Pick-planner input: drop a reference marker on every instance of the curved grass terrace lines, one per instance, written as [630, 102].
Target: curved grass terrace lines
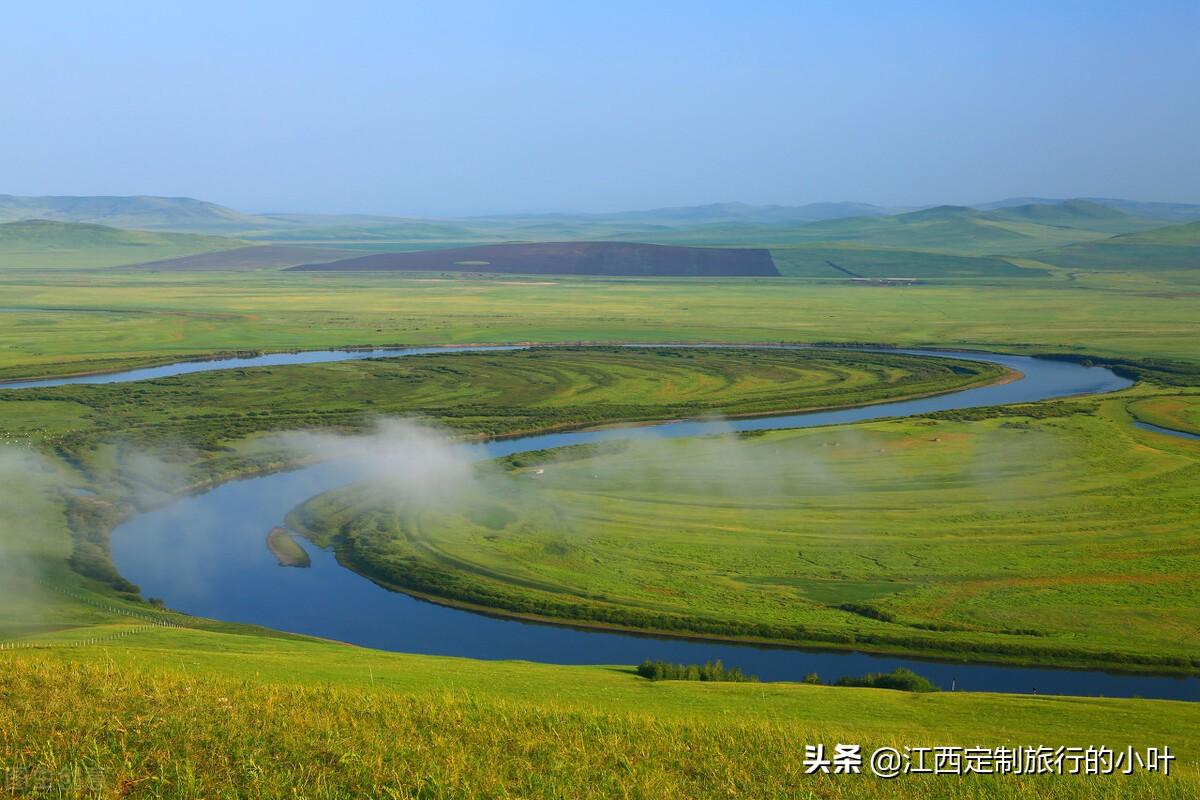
[221, 413]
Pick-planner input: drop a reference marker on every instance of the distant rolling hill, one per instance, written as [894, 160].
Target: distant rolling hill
[747, 213]
[139, 212]
[1082, 214]
[570, 258]
[945, 229]
[1187, 234]
[963, 230]
[47, 243]
[1172, 247]
[937, 241]
[1162, 212]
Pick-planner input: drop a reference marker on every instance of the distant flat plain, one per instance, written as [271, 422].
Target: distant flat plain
[155, 317]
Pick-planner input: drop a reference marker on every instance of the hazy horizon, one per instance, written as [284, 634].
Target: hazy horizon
[472, 109]
[569, 212]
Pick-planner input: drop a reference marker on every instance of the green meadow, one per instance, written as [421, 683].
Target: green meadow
[60, 323]
[481, 393]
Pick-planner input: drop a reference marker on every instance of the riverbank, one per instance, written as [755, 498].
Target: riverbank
[934, 655]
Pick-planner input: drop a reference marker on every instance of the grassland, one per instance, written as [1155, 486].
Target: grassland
[78, 322]
[817, 260]
[482, 393]
[1050, 533]
[196, 713]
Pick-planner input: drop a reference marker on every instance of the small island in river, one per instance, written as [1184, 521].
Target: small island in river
[284, 547]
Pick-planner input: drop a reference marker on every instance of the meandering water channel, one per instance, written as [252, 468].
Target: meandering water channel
[205, 555]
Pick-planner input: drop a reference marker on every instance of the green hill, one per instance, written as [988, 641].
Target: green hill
[1081, 214]
[1172, 247]
[947, 229]
[41, 243]
[1187, 235]
[1168, 212]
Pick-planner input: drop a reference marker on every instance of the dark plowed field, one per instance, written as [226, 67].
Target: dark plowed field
[569, 258]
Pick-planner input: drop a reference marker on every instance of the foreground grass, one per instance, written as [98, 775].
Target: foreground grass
[1050, 533]
[183, 713]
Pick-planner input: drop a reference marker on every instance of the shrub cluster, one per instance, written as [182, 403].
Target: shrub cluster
[89, 522]
[900, 678]
[709, 671]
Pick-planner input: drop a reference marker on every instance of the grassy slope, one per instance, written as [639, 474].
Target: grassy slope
[1170, 247]
[143, 318]
[998, 536]
[961, 231]
[44, 244]
[183, 713]
[1082, 214]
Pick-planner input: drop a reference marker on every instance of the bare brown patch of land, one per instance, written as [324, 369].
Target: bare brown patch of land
[570, 258]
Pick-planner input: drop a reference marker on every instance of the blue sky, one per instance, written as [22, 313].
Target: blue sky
[455, 107]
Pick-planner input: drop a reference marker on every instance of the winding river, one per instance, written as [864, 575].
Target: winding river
[205, 555]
